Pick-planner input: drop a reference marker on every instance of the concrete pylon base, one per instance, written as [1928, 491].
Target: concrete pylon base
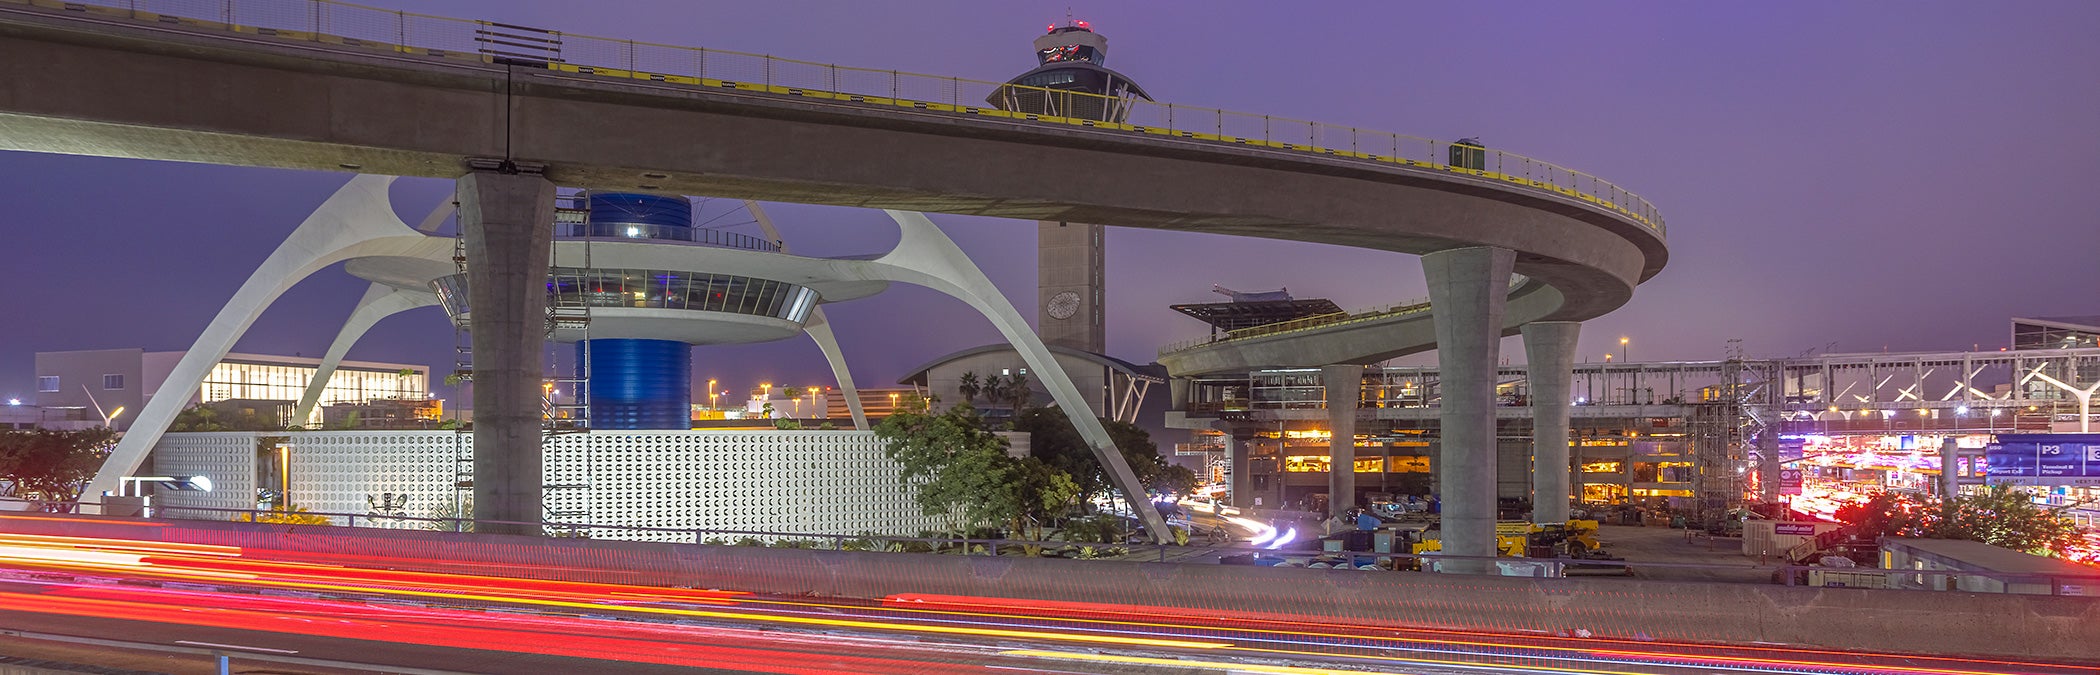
[1549, 351]
[508, 223]
[1467, 287]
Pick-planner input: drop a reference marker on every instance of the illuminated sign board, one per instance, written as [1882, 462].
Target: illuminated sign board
[2044, 459]
[1790, 481]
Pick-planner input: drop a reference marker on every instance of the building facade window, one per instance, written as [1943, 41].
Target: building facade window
[46, 383]
[113, 382]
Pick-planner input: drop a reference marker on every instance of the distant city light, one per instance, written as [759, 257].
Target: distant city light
[1962, 410]
[14, 401]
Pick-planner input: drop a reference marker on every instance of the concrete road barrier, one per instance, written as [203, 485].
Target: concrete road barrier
[1946, 623]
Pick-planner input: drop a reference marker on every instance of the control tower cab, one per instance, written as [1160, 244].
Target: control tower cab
[1071, 79]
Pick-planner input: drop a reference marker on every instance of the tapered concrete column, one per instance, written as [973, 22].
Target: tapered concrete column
[1467, 288]
[1238, 451]
[1549, 349]
[1178, 393]
[508, 223]
[1768, 465]
[1344, 386]
[1950, 468]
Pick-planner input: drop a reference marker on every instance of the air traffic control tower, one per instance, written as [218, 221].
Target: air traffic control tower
[1071, 79]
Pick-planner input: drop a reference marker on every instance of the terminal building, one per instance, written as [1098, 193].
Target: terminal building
[108, 383]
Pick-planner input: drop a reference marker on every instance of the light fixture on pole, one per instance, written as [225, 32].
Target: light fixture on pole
[1624, 349]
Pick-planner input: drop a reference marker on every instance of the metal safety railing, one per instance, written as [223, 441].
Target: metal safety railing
[344, 24]
[648, 233]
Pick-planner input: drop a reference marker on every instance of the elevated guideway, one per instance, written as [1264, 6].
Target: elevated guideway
[1360, 338]
[325, 86]
[510, 111]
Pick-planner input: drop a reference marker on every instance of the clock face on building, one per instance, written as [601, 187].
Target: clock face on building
[1063, 305]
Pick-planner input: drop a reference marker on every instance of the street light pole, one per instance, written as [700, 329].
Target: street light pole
[1625, 349]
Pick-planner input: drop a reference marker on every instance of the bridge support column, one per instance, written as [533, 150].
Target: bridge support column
[1468, 287]
[508, 223]
[1239, 450]
[1549, 349]
[1344, 385]
[1768, 464]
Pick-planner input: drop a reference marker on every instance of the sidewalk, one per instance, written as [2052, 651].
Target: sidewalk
[1665, 545]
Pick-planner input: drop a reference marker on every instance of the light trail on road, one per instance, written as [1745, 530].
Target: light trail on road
[217, 587]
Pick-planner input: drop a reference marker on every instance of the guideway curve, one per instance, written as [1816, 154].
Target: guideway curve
[319, 95]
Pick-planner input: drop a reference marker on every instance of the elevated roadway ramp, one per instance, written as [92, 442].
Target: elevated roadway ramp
[1360, 339]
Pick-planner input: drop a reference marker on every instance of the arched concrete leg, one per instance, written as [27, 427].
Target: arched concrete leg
[1344, 385]
[1549, 351]
[926, 257]
[356, 221]
[380, 301]
[1467, 287]
[818, 328]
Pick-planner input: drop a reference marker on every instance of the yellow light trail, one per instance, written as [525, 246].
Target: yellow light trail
[737, 616]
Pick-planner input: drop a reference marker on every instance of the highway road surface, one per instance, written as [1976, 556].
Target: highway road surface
[267, 611]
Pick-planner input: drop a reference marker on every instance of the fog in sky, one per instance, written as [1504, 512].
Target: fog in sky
[1899, 176]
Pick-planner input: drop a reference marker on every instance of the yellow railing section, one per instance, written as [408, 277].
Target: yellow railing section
[350, 25]
[1319, 322]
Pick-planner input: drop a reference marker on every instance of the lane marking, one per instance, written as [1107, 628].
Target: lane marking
[244, 648]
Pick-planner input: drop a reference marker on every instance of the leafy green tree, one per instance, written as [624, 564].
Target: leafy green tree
[956, 468]
[285, 515]
[198, 418]
[960, 470]
[1054, 440]
[2000, 515]
[2007, 517]
[1886, 514]
[203, 417]
[53, 464]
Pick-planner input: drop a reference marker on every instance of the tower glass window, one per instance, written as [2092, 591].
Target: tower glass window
[113, 382]
[47, 383]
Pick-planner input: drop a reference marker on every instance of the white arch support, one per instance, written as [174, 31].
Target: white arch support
[380, 301]
[358, 220]
[925, 256]
[819, 329]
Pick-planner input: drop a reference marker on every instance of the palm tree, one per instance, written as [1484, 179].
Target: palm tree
[969, 387]
[1017, 393]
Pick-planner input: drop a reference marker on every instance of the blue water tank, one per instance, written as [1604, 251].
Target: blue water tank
[638, 384]
[628, 208]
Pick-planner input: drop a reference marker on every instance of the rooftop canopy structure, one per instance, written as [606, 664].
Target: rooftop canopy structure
[1247, 310]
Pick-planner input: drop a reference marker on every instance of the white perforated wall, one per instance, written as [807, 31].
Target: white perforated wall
[816, 482]
[227, 457]
[337, 471]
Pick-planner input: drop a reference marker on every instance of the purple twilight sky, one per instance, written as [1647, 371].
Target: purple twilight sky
[1897, 176]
